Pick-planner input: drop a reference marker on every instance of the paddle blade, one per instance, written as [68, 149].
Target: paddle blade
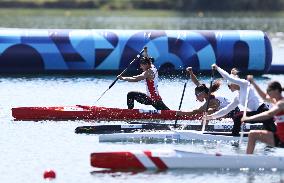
[113, 83]
[204, 122]
[175, 125]
[245, 113]
[101, 95]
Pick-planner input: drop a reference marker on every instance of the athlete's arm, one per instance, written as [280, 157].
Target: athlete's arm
[189, 113]
[229, 77]
[213, 105]
[265, 115]
[224, 110]
[261, 93]
[201, 109]
[192, 76]
[133, 78]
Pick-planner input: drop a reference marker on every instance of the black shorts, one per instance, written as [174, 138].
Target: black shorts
[232, 113]
[277, 141]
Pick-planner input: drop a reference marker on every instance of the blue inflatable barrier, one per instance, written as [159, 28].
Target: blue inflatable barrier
[104, 51]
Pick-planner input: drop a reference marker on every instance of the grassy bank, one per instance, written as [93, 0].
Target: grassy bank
[133, 13]
[179, 5]
[139, 19]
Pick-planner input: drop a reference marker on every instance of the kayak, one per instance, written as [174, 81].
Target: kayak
[126, 128]
[94, 112]
[177, 159]
[174, 135]
[132, 127]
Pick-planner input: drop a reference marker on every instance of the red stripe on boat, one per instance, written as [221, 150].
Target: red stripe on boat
[116, 160]
[157, 161]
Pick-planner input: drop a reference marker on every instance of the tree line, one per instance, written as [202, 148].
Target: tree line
[177, 5]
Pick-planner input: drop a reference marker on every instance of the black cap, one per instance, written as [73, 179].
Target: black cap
[145, 60]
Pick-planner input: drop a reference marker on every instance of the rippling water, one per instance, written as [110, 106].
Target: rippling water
[28, 148]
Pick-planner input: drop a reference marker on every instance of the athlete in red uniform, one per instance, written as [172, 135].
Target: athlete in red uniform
[273, 139]
[150, 75]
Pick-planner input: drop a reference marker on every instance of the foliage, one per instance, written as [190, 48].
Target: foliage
[178, 5]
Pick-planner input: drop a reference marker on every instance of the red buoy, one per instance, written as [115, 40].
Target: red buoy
[218, 154]
[49, 174]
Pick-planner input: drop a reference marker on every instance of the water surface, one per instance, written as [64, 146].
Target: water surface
[28, 148]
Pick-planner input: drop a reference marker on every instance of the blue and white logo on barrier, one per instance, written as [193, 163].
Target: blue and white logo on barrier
[36, 50]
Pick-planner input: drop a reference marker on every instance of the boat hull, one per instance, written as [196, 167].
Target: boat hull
[176, 159]
[94, 112]
[132, 127]
[174, 135]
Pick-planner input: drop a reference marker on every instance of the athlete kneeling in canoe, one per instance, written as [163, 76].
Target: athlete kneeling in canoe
[255, 105]
[150, 75]
[273, 92]
[275, 139]
[202, 92]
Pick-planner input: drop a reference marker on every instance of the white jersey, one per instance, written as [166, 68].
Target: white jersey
[223, 102]
[152, 85]
[254, 101]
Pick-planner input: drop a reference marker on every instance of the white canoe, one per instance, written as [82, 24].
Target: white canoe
[175, 135]
[175, 159]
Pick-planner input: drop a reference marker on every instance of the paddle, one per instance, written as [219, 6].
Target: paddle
[180, 103]
[208, 100]
[111, 85]
[244, 115]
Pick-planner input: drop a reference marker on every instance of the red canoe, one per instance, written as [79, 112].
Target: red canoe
[94, 112]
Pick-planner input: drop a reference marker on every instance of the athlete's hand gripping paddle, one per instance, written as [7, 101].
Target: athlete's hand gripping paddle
[136, 58]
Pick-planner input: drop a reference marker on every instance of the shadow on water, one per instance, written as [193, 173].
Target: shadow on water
[247, 175]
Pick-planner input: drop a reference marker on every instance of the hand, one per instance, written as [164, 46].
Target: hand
[189, 69]
[120, 77]
[244, 118]
[214, 66]
[250, 78]
[178, 113]
[206, 117]
[145, 54]
[189, 72]
[145, 48]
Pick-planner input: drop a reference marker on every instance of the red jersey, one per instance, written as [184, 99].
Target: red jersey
[279, 120]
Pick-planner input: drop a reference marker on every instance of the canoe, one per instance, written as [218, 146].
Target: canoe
[174, 135]
[132, 127]
[178, 159]
[94, 112]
